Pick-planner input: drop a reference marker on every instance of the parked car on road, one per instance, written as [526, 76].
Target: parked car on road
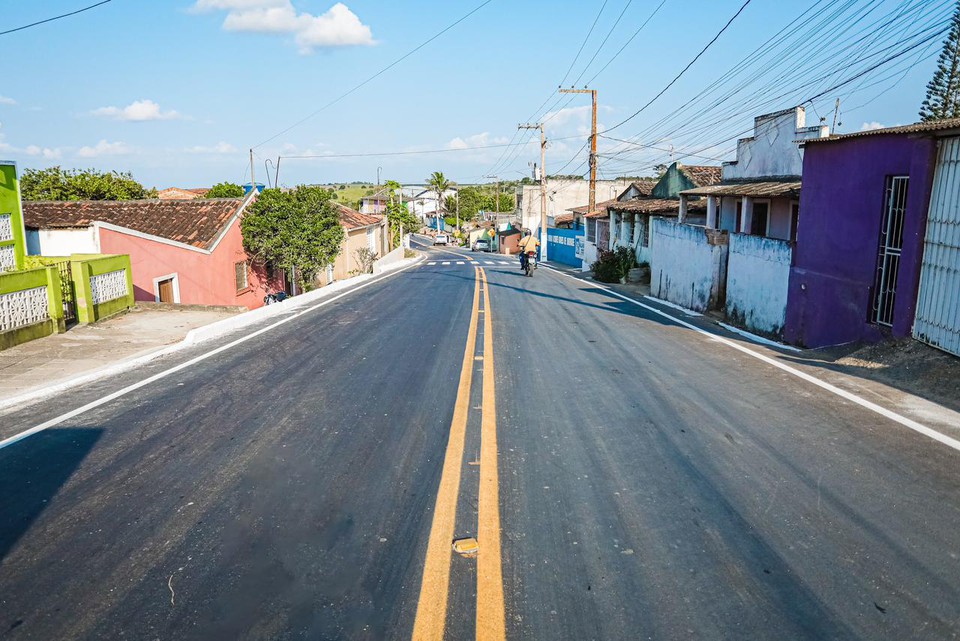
[481, 245]
[441, 239]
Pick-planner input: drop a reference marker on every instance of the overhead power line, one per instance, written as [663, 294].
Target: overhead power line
[684, 70]
[65, 15]
[377, 74]
[417, 152]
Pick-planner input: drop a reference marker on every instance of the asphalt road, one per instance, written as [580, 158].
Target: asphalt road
[648, 483]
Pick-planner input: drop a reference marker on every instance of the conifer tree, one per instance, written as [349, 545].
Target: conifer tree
[943, 90]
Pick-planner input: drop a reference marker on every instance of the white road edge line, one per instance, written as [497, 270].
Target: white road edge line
[833, 389]
[202, 357]
[758, 339]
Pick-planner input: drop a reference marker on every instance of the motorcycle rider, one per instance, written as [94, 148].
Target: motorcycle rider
[528, 243]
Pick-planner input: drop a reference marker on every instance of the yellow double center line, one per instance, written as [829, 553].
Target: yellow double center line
[435, 587]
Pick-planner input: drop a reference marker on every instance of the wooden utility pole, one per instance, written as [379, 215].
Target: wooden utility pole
[593, 146]
[543, 187]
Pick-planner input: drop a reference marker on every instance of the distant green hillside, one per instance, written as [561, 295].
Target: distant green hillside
[351, 194]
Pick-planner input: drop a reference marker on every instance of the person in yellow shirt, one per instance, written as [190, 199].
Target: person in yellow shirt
[527, 244]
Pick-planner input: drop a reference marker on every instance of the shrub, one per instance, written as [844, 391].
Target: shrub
[612, 266]
[366, 257]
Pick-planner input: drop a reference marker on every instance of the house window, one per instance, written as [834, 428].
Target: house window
[240, 272]
[591, 230]
[891, 245]
[794, 220]
[643, 224]
[761, 214]
[371, 240]
[739, 226]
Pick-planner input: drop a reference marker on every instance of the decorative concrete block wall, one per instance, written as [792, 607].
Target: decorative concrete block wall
[103, 284]
[30, 305]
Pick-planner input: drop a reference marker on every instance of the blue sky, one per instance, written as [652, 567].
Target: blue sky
[177, 91]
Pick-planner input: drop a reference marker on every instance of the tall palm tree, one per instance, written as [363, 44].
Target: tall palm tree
[439, 184]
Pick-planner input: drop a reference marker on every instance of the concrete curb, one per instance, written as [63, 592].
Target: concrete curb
[205, 333]
[221, 327]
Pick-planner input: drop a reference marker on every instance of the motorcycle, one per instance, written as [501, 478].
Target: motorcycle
[528, 262]
[276, 297]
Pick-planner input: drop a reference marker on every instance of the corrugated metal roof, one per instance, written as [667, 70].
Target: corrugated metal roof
[916, 128]
[759, 189]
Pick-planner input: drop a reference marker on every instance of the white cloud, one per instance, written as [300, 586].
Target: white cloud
[871, 126]
[104, 148]
[4, 100]
[46, 152]
[219, 148]
[137, 111]
[476, 140]
[338, 27]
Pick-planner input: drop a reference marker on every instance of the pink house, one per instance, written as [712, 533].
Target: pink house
[182, 251]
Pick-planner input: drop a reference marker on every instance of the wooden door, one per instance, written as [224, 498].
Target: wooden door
[165, 287]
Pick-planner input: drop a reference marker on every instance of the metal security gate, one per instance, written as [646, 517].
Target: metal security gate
[891, 246]
[938, 301]
[67, 292]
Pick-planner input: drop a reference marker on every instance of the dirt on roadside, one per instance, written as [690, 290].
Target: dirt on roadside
[907, 365]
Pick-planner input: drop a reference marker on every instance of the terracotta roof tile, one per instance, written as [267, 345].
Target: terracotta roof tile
[755, 189]
[658, 206]
[353, 219]
[193, 222]
[701, 175]
[177, 193]
[645, 187]
[600, 207]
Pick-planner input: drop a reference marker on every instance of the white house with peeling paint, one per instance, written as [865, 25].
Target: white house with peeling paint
[747, 239]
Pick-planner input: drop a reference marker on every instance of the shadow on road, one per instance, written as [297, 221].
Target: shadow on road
[32, 472]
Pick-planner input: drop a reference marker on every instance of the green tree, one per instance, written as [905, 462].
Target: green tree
[225, 190]
[76, 184]
[943, 90]
[475, 199]
[399, 215]
[439, 184]
[392, 187]
[296, 230]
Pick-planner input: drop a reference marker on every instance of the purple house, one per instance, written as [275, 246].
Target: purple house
[860, 243]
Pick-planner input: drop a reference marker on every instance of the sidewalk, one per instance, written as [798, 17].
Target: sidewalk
[87, 348]
[911, 378]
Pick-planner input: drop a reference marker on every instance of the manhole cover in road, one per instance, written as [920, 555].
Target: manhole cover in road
[466, 547]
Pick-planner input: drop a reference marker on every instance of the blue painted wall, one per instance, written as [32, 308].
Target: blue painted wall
[561, 245]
